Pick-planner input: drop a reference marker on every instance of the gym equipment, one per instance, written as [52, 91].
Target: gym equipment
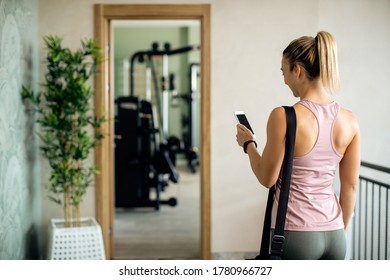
[141, 162]
[189, 121]
[142, 56]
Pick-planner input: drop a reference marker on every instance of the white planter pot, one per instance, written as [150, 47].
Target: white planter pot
[75, 243]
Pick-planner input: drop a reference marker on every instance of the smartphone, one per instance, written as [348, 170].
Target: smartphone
[241, 117]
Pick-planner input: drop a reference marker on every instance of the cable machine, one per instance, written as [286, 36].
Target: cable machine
[191, 121]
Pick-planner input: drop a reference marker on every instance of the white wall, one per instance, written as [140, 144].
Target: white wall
[248, 37]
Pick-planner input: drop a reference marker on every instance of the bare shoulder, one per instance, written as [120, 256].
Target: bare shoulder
[277, 113]
[277, 118]
[276, 126]
[348, 118]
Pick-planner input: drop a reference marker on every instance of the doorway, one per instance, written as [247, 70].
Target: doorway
[104, 15]
[156, 65]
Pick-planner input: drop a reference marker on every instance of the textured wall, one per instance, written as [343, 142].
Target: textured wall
[19, 174]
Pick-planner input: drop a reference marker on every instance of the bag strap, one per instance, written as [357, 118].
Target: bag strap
[264, 248]
[278, 238]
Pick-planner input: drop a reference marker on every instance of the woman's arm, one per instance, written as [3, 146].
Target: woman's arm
[349, 175]
[266, 167]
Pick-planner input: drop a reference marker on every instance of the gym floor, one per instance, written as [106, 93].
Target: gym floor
[170, 233]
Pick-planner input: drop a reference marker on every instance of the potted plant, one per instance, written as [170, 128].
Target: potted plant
[69, 130]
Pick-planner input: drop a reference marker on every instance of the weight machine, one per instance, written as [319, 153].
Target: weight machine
[144, 154]
[141, 162]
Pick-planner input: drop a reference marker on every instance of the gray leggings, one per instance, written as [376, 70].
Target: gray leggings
[312, 245]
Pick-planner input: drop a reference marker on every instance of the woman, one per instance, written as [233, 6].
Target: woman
[327, 138]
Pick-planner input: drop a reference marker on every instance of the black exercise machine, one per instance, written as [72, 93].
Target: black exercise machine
[141, 162]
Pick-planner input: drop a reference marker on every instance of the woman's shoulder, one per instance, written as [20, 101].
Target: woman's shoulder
[277, 120]
[347, 118]
[278, 112]
[277, 115]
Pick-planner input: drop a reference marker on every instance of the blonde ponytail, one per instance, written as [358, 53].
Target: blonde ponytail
[327, 52]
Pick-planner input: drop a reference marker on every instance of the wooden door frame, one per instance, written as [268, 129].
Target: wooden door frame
[103, 15]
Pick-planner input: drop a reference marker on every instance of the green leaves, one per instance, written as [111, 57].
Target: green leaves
[68, 128]
[28, 94]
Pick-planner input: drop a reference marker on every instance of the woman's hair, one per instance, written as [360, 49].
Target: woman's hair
[318, 56]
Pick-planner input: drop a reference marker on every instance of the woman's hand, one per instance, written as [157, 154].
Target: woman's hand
[243, 134]
[266, 166]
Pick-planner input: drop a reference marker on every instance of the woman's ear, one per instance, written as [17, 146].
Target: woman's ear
[298, 71]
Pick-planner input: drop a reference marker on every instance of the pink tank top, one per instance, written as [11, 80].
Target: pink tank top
[313, 204]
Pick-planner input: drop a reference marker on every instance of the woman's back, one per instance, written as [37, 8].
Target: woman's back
[313, 205]
[344, 130]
